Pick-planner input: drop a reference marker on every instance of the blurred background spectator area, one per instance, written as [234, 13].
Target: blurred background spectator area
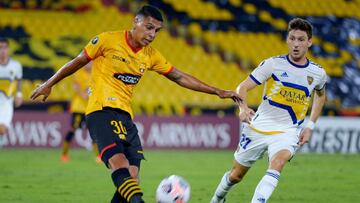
[218, 41]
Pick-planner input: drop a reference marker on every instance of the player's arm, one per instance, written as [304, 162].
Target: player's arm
[318, 103]
[245, 113]
[190, 82]
[18, 96]
[68, 69]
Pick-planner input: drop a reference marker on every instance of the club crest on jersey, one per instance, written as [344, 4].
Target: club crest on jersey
[142, 68]
[127, 79]
[95, 40]
[310, 79]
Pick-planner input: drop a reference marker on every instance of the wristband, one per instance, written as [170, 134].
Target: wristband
[310, 124]
[18, 94]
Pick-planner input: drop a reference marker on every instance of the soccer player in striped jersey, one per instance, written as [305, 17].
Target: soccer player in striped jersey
[120, 59]
[10, 87]
[276, 127]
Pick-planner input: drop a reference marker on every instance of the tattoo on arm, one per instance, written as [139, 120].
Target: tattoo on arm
[174, 75]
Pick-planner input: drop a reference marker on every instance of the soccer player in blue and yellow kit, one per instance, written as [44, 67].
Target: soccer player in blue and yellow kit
[276, 127]
[120, 59]
[10, 87]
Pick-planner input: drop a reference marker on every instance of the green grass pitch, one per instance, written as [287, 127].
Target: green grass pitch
[38, 176]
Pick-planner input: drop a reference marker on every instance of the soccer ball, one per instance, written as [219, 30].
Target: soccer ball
[173, 189]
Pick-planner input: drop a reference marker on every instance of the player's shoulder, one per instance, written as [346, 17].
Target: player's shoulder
[315, 64]
[317, 67]
[279, 57]
[14, 62]
[109, 35]
[273, 59]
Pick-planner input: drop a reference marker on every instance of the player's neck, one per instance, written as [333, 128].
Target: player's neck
[132, 42]
[4, 61]
[298, 61]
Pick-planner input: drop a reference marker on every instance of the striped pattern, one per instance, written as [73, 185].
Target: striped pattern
[276, 176]
[129, 188]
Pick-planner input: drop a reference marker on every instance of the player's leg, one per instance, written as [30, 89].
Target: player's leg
[3, 131]
[109, 129]
[229, 179]
[6, 114]
[134, 152]
[75, 123]
[251, 148]
[134, 172]
[281, 149]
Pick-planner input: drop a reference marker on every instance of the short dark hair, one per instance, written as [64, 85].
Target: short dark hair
[3, 39]
[151, 11]
[301, 24]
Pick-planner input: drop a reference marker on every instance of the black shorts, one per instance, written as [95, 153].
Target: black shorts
[77, 120]
[114, 132]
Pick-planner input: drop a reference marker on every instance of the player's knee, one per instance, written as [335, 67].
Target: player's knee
[118, 161]
[3, 129]
[134, 172]
[235, 177]
[277, 164]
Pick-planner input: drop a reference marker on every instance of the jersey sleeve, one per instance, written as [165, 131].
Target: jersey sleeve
[159, 64]
[322, 81]
[261, 73]
[95, 47]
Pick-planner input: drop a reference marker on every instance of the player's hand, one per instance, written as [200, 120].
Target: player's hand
[305, 136]
[18, 100]
[223, 94]
[41, 90]
[246, 114]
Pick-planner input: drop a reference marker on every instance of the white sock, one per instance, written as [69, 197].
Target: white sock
[1, 140]
[266, 186]
[223, 188]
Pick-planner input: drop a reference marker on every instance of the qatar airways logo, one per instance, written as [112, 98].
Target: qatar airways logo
[293, 97]
[128, 79]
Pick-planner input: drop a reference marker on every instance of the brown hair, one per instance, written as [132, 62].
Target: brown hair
[301, 24]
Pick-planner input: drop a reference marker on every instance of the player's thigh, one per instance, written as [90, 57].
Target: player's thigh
[102, 126]
[6, 114]
[252, 146]
[285, 142]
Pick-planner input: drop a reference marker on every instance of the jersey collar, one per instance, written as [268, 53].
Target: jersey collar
[296, 65]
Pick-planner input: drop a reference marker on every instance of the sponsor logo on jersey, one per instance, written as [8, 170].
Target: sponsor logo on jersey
[128, 79]
[310, 79]
[293, 96]
[142, 68]
[115, 57]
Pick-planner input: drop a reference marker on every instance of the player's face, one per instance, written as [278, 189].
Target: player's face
[298, 44]
[4, 50]
[145, 30]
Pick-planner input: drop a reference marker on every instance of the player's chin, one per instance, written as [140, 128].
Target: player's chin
[145, 43]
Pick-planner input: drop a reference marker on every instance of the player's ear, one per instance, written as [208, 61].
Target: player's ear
[137, 19]
[309, 42]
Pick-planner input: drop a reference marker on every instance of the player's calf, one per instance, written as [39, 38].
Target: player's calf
[127, 186]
